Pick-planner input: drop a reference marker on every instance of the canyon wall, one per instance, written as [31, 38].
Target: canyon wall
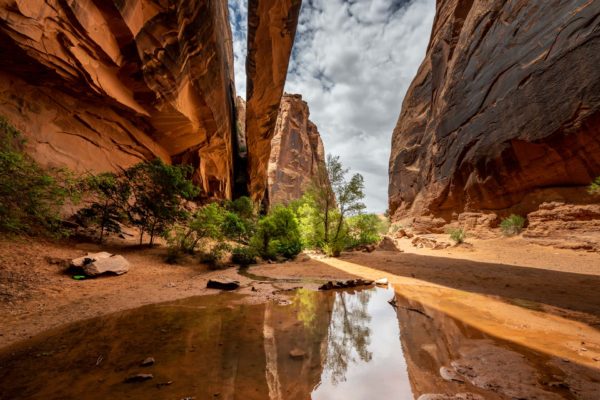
[100, 85]
[504, 113]
[297, 153]
[271, 31]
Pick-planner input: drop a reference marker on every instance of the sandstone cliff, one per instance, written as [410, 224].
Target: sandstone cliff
[297, 154]
[100, 85]
[271, 31]
[504, 112]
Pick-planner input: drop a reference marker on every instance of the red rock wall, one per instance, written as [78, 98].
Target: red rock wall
[271, 31]
[297, 153]
[504, 112]
[100, 85]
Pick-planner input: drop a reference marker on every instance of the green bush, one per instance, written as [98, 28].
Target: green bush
[594, 188]
[108, 209]
[458, 235]
[31, 197]
[364, 229]
[243, 256]
[158, 191]
[334, 249]
[278, 235]
[512, 225]
[214, 257]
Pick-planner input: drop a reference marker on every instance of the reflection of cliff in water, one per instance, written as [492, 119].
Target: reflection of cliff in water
[204, 347]
[446, 357]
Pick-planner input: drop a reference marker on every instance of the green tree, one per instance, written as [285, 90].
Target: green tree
[158, 192]
[364, 229]
[31, 197]
[240, 221]
[278, 234]
[325, 208]
[108, 209]
[594, 188]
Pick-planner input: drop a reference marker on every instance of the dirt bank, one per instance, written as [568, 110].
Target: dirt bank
[36, 295]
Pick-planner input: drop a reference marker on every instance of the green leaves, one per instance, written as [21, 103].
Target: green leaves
[594, 188]
[30, 197]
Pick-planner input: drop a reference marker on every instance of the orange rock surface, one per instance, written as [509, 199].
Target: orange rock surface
[297, 153]
[504, 113]
[101, 85]
[271, 31]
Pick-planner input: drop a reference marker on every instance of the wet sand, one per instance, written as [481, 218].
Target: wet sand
[36, 295]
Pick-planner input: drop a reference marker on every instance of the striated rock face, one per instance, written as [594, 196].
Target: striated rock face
[297, 154]
[271, 31]
[504, 112]
[565, 226]
[100, 85]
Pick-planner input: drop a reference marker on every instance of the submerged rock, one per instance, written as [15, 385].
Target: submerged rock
[138, 378]
[149, 361]
[223, 284]
[297, 354]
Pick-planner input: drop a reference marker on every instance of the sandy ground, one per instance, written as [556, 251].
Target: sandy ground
[36, 294]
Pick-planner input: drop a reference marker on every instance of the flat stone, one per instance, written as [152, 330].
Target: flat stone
[450, 375]
[89, 258]
[382, 282]
[117, 265]
[223, 284]
[297, 354]
[148, 362]
[138, 378]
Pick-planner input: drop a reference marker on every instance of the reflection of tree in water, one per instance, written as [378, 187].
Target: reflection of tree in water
[349, 334]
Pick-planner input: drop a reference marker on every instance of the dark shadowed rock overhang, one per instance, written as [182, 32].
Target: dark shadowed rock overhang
[504, 112]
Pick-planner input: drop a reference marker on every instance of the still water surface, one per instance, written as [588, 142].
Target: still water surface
[335, 345]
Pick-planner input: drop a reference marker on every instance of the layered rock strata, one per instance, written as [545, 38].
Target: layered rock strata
[504, 113]
[271, 31]
[297, 154]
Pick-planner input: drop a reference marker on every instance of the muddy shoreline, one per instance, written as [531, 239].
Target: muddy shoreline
[36, 296]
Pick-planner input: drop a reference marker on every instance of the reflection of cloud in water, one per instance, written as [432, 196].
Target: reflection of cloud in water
[363, 358]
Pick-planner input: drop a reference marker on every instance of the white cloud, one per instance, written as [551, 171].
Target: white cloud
[353, 61]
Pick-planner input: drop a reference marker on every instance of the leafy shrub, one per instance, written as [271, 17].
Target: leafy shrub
[364, 229]
[109, 207]
[512, 225]
[158, 191]
[215, 256]
[278, 235]
[30, 197]
[458, 235]
[243, 256]
[334, 249]
[594, 187]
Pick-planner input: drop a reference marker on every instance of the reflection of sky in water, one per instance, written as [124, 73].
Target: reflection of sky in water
[385, 375]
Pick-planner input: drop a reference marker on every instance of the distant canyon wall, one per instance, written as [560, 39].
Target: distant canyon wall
[504, 113]
[297, 154]
[101, 85]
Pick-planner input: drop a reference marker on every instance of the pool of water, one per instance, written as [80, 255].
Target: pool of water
[333, 345]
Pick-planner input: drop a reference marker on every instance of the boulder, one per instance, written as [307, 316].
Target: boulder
[388, 244]
[88, 259]
[115, 264]
[423, 242]
[223, 284]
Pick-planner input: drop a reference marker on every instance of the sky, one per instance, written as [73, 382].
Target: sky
[352, 62]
